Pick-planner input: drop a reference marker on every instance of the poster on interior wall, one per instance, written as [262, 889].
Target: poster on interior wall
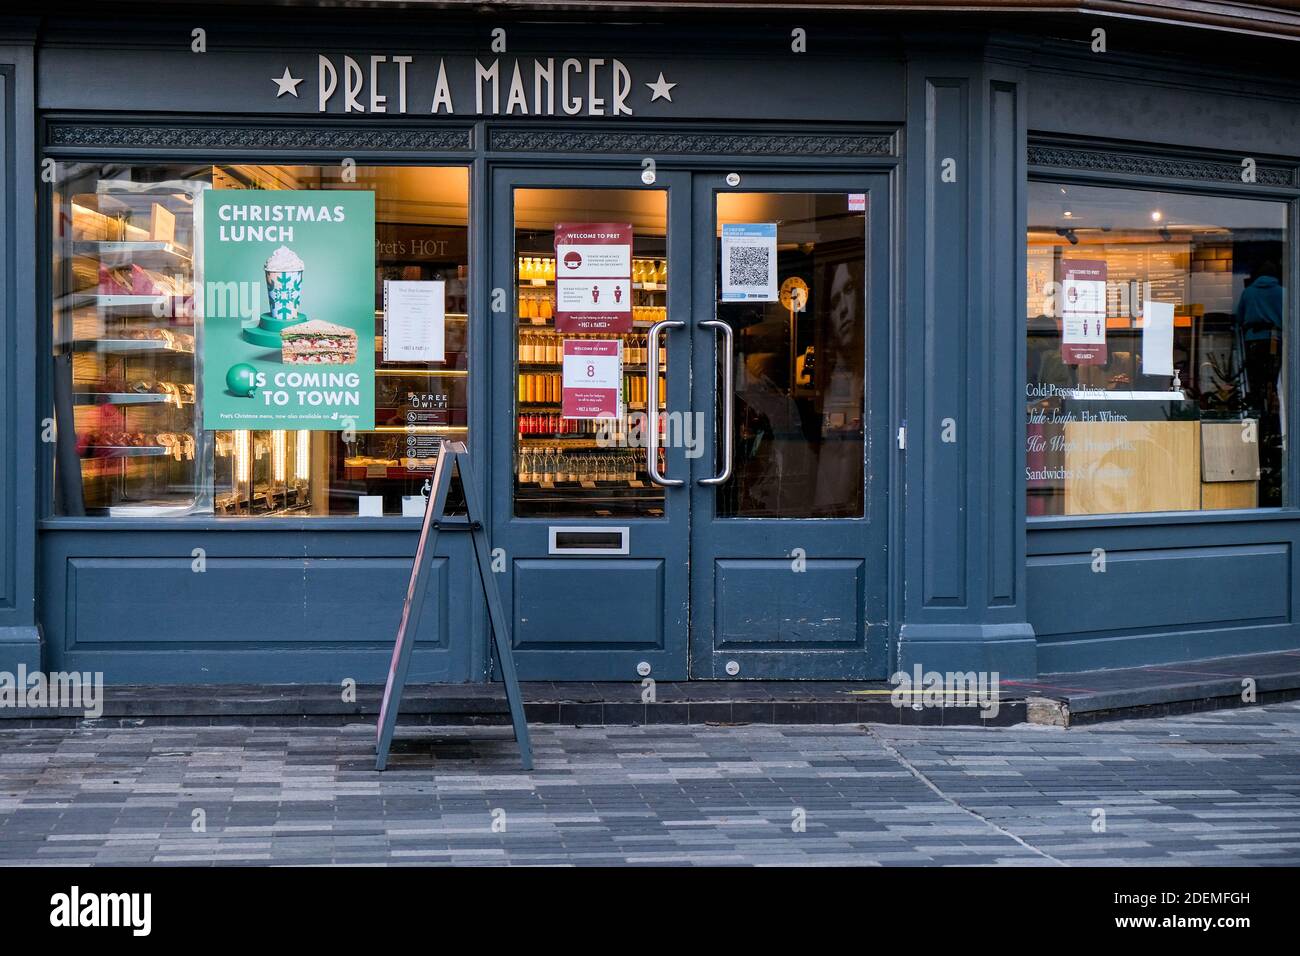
[593, 277]
[288, 280]
[1158, 339]
[1083, 311]
[415, 320]
[592, 382]
[749, 262]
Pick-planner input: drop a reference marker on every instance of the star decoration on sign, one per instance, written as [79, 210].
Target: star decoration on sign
[286, 84]
[661, 89]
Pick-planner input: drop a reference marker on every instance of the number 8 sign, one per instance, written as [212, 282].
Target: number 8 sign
[592, 378]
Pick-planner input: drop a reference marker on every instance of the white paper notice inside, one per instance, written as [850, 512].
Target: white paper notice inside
[415, 321]
[1158, 338]
[749, 262]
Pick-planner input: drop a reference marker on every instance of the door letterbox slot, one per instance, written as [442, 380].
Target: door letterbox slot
[567, 539]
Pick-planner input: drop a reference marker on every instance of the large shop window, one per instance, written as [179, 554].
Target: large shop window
[1157, 325]
[257, 340]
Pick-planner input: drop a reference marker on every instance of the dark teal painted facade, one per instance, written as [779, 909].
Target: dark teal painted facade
[954, 578]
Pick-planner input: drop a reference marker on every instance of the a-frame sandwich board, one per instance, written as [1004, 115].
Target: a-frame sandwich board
[452, 454]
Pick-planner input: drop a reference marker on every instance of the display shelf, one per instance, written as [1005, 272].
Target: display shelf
[115, 302]
[128, 398]
[566, 441]
[123, 252]
[113, 196]
[421, 468]
[127, 345]
[126, 451]
[557, 366]
[411, 429]
[143, 509]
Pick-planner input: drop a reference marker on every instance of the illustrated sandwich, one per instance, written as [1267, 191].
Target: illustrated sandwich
[318, 343]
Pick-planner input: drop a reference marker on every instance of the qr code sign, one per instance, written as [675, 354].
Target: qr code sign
[750, 265]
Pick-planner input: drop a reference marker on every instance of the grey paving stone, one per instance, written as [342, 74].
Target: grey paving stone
[1216, 788]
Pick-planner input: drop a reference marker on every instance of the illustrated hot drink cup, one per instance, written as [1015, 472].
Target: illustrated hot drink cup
[284, 284]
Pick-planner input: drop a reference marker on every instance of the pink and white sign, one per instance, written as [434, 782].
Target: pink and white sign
[1083, 311]
[593, 277]
[592, 378]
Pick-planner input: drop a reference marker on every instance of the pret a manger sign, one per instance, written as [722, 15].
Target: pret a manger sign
[501, 86]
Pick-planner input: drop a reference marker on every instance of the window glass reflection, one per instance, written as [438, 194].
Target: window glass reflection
[1155, 351]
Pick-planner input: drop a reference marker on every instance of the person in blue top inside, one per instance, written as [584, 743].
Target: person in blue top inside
[1259, 315]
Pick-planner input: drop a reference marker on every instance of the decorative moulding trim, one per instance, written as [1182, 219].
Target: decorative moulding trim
[310, 137]
[718, 143]
[1163, 167]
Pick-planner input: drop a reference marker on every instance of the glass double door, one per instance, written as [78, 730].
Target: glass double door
[689, 439]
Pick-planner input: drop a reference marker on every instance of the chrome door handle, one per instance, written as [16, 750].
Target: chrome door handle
[652, 403]
[726, 397]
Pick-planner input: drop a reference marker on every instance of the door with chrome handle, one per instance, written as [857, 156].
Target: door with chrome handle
[652, 403]
[726, 398]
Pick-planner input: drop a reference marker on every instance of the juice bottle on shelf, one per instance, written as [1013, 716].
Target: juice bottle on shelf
[523, 388]
[546, 311]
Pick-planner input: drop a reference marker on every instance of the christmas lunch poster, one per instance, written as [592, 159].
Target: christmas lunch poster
[288, 300]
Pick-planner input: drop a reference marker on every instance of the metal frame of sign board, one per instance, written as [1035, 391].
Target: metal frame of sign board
[453, 454]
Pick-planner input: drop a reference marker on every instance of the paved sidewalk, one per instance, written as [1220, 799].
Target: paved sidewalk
[1217, 788]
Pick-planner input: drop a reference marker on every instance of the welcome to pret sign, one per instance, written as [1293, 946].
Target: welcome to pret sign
[593, 277]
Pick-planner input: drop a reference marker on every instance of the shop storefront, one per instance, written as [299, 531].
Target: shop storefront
[803, 350]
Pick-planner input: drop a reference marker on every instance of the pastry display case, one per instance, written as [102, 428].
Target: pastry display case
[126, 379]
[128, 343]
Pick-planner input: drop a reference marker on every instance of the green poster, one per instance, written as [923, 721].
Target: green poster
[288, 290]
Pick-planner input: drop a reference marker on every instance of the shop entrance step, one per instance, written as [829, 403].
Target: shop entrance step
[1160, 690]
[546, 702]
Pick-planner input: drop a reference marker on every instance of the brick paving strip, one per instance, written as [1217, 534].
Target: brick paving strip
[1215, 788]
